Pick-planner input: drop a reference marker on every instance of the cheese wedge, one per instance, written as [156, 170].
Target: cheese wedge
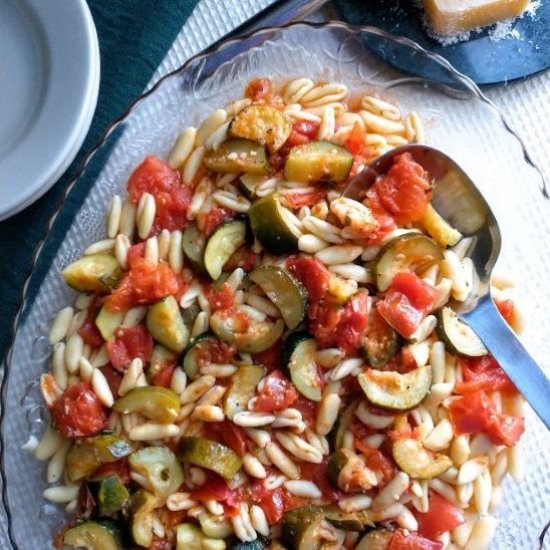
[448, 17]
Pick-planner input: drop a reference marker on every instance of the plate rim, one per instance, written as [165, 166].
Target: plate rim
[218, 47]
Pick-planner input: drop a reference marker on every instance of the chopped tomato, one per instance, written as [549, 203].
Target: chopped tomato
[214, 488]
[212, 350]
[312, 274]
[120, 467]
[404, 190]
[376, 460]
[356, 139]
[78, 412]
[231, 435]
[410, 541]
[277, 393]
[163, 375]
[128, 344]
[222, 298]
[113, 377]
[302, 132]
[145, 283]
[271, 501]
[297, 200]
[483, 373]
[318, 473]
[407, 300]
[307, 408]
[208, 221]
[341, 326]
[243, 257]
[476, 413]
[258, 89]
[507, 310]
[89, 331]
[441, 516]
[386, 223]
[135, 253]
[271, 357]
[172, 198]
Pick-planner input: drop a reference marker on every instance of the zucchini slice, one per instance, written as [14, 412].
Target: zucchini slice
[285, 291]
[378, 539]
[210, 455]
[189, 537]
[413, 459]
[166, 325]
[439, 229]
[191, 359]
[394, 391]
[349, 472]
[222, 244]
[193, 243]
[263, 124]
[318, 161]
[458, 337]
[302, 366]
[381, 341]
[159, 359]
[261, 543]
[301, 527]
[160, 467]
[253, 338]
[94, 535]
[237, 156]
[342, 424]
[348, 521]
[93, 273]
[409, 252]
[241, 389]
[110, 494]
[270, 225]
[108, 321]
[154, 402]
[142, 504]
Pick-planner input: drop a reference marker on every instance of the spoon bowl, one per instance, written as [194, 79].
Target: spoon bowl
[457, 199]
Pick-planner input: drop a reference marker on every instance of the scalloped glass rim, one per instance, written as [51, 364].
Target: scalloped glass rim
[333, 49]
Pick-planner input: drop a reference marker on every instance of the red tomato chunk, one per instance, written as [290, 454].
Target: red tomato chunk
[130, 343]
[410, 541]
[172, 198]
[89, 331]
[209, 221]
[406, 302]
[222, 298]
[441, 516]
[277, 393]
[271, 501]
[312, 274]
[483, 373]
[476, 413]
[78, 412]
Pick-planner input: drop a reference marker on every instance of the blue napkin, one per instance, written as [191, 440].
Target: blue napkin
[134, 37]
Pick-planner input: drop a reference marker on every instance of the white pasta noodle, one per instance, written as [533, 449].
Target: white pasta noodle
[182, 148]
[127, 219]
[210, 124]
[193, 164]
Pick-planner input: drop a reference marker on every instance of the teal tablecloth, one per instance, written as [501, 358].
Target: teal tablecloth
[134, 36]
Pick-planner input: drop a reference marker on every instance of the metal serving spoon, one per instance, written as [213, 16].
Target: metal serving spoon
[459, 202]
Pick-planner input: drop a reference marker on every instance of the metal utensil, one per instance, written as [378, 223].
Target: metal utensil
[459, 201]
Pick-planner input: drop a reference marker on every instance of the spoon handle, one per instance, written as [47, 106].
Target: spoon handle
[506, 348]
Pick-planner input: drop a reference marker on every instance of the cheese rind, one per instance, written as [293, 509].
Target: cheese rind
[448, 17]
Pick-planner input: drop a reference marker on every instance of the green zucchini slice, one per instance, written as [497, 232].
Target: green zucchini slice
[318, 161]
[254, 338]
[193, 243]
[210, 455]
[301, 527]
[222, 244]
[236, 156]
[166, 325]
[189, 537]
[110, 493]
[285, 291]
[458, 337]
[108, 321]
[142, 504]
[409, 252]
[348, 521]
[394, 391]
[241, 389]
[381, 341]
[261, 543]
[349, 472]
[263, 124]
[93, 273]
[378, 539]
[94, 535]
[191, 364]
[154, 402]
[413, 459]
[302, 366]
[160, 467]
[271, 226]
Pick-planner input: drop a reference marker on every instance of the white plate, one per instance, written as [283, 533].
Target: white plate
[50, 80]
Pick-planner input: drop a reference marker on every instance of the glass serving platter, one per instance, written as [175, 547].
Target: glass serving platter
[458, 120]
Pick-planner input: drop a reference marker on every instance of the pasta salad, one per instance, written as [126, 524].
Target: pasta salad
[256, 362]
